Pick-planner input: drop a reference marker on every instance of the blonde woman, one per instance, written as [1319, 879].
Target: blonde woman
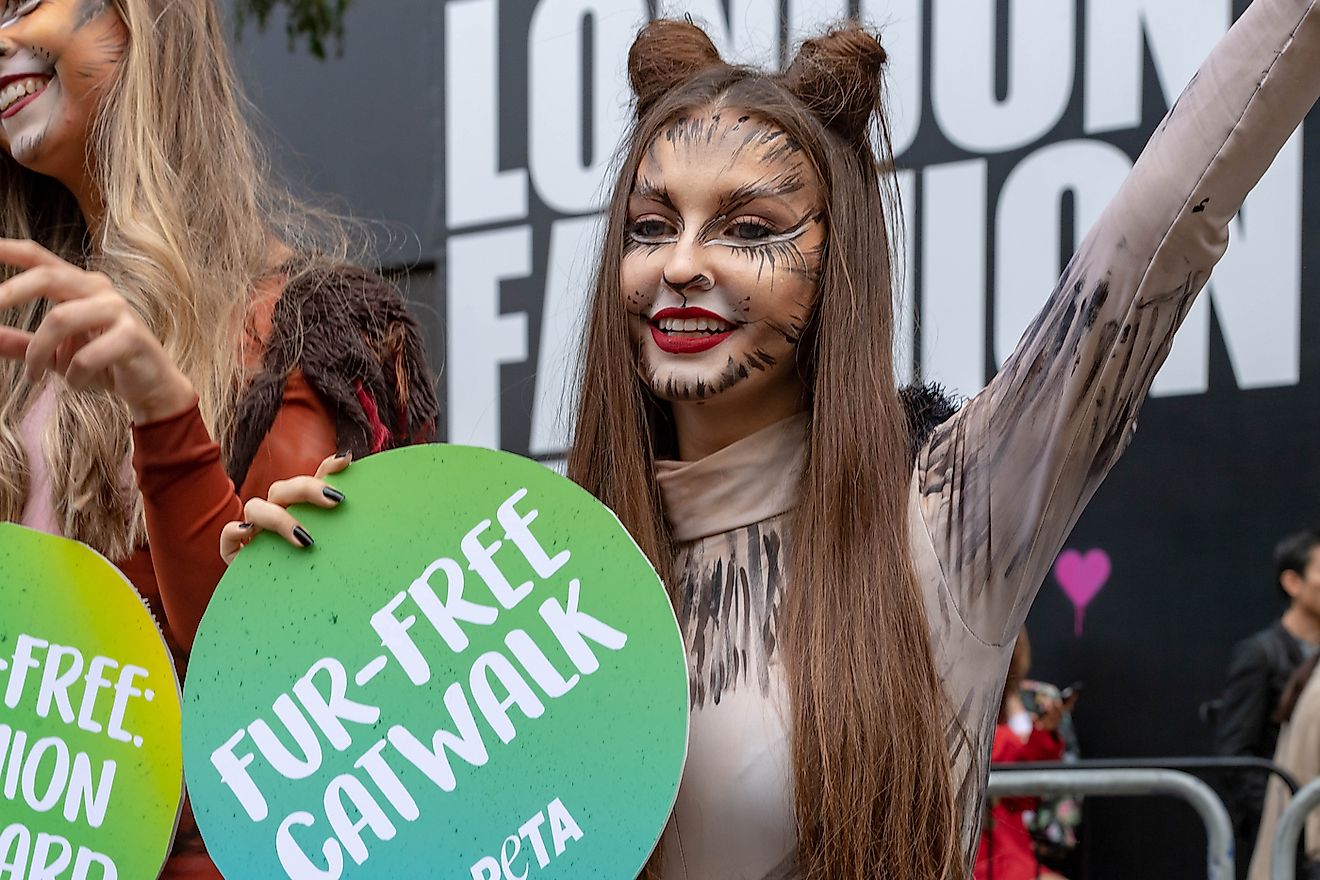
[172, 324]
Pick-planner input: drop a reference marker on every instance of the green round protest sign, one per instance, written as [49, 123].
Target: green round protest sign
[474, 673]
[91, 765]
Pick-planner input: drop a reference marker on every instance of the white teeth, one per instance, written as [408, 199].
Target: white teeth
[20, 89]
[693, 325]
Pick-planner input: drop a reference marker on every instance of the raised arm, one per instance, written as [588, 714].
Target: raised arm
[1003, 483]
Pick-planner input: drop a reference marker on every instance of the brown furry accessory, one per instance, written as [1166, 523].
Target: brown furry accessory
[352, 336]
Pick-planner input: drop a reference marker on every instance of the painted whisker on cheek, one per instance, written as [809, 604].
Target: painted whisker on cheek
[638, 305]
[813, 259]
[89, 73]
[29, 144]
[111, 44]
[704, 389]
[792, 329]
[792, 332]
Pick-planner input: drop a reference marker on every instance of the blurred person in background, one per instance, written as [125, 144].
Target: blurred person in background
[1259, 670]
[1055, 821]
[1007, 851]
[1298, 753]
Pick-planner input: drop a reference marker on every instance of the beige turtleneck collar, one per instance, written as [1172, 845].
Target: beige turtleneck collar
[743, 483]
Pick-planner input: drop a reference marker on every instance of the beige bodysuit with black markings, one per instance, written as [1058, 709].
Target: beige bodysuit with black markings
[997, 488]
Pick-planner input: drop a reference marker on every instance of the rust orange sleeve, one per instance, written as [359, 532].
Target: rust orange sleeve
[188, 497]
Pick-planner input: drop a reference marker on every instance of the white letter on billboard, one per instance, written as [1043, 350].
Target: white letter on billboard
[1040, 72]
[953, 271]
[1179, 33]
[480, 338]
[568, 171]
[476, 191]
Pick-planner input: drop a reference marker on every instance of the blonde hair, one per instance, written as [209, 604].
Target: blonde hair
[191, 222]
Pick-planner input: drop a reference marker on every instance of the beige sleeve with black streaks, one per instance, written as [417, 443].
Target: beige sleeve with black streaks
[1003, 482]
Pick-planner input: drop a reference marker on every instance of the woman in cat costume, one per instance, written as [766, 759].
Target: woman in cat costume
[850, 578]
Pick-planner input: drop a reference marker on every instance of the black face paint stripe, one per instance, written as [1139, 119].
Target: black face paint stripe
[88, 11]
[647, 189]
[780, 185]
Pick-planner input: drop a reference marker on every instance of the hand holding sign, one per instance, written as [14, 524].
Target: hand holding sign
[91, 775]
[269, 514]
[474, 673]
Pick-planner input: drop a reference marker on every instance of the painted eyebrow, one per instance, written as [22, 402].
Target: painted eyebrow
[780, 185]
[647, 190]
[784, 184]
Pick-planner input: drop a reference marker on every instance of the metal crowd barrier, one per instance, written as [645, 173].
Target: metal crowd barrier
[1191, 765]
[1109, 782]
[1283, 864]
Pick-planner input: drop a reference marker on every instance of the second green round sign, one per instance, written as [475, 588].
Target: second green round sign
[91, 773]
[475, 673]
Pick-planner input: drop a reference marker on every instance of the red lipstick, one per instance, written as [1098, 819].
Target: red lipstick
[675, 344]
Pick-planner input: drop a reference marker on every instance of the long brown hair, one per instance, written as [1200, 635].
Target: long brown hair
[872, 777]
[191, 220]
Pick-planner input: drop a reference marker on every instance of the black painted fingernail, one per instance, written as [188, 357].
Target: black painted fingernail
[333, 494]
[300, 535]
[345, 454]
[245, 526]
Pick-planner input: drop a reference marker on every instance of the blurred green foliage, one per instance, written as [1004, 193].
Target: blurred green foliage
[319, 22]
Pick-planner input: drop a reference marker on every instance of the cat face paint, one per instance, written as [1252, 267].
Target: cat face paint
[722, 257]
[56, 59]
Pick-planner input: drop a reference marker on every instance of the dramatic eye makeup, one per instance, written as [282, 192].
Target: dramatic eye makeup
[752, 232]
[650, 229]
[12, 10]
[742, 231]
[780, 250]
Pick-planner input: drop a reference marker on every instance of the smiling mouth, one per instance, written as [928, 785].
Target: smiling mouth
[18, 92]
[689, 331]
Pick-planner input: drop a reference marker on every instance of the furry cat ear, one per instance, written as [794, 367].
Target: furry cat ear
[667, 53]
[839, 77]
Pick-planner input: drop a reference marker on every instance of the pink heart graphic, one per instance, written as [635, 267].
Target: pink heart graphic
[1081, 577]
